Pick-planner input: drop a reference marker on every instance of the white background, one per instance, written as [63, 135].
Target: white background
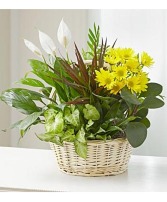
[143, 30]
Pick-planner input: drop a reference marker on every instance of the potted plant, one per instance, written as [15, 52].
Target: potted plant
[94, 109]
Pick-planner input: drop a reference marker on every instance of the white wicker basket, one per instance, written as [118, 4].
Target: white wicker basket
[103, 158]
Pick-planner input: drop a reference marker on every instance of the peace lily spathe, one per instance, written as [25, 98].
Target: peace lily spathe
[47, 44]
[63, 34]
[33, 48]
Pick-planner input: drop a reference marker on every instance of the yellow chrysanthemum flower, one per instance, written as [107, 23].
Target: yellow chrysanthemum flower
[126, 53]
[146, 60]
[117, 86]
[133, 65]
[104, 78]
[143, 81]
[120, 72]
[112, 56]
[133, 83]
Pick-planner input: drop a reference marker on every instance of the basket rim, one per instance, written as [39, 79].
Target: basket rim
[93, 142]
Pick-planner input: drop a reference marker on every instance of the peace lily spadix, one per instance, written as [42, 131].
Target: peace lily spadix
[33, 48]
[63, 34]
[47, 44]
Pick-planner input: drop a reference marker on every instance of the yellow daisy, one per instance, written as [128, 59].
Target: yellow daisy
[146, 60]
[117, 86]
[126, 53]
[132, 65]
[133, 83]
[143, 81]
[112, 56]
[104, 78]
[120, 72]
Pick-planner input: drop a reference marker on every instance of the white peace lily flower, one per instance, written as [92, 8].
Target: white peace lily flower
[47, 44]
[63, 34]
[33, 48]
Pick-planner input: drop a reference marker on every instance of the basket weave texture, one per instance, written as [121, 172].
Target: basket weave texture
[103, 158]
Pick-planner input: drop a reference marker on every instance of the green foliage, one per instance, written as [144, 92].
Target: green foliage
[136, 133]
[74, 108]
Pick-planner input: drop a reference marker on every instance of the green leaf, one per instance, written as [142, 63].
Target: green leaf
[101, 137]
[91, 137]
[129, 97]
[152, 103]
[136, 133]
[81, 149]
[89, 124]
[80, 136]
[101, 130]
[72, 117]
[127, 120]
[153, 89]
[38, 65]
[61, 92]
[55, 125]
[146, 122]
[31, 82]
[47, 137]
[50, 114]
[114, 128]
[46, 91]
[28, 121]
[112, 113]
[91, 113]
[68, 136]
[56, 140]
[142, 113]
[23, 103]
[50, 137]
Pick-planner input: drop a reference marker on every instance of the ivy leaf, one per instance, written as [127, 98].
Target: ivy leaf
[80, 136]
[68, 136]
[136, 133]
[81, 149]
[72, 117]
[91, 113]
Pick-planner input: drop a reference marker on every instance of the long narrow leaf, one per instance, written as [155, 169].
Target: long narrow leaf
[82, 66]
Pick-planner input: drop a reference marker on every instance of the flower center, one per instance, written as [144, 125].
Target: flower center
[120, 73]
[107, 80]
[130, 83]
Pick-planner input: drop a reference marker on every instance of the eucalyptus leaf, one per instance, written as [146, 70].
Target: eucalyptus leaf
[152, 102]
[129, 97]
[146, 122]
[136, 133]
[142, 113]
[153, 89]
